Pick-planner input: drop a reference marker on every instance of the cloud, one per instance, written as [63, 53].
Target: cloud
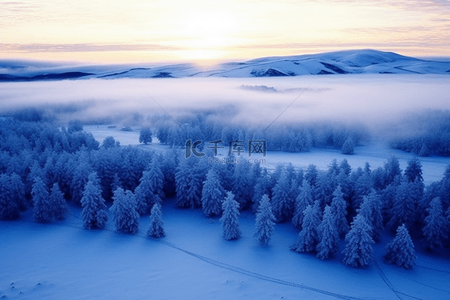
[82, 47]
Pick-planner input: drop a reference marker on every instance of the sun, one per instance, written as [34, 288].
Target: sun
[206, 34]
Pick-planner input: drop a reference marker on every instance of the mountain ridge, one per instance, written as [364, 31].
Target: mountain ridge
[364, 61]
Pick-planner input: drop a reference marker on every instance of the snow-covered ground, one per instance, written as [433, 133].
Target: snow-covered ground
[64, 261]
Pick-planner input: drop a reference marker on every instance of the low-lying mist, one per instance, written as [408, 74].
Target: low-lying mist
[372, 100]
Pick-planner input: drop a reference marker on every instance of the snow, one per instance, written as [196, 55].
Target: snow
[65, 261]
[365, 61]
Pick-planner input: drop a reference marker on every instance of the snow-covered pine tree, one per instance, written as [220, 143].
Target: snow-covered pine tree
[212, 194]
[436, 225]
[311, 175]
[57, 203]
[242, 188]
[413, 171]
[304, 199]
[403, 210]
[282, 203]
[308, 238]
[339, 212]
[8, 207]
[79, 180]
[329, 236]
[156, 229]
[401, 250]
[94, 208]
[156, 179]
[264, 221]
[371, 210]
[124, 211]
[358, 249]
[348, 147]
[262, 187]
[42, 210]
[18, 191]
[230, 218]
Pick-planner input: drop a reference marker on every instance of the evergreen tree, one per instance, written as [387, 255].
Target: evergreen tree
[264, 221]
[261, 188]
[212, 194]
[404, 209]
[80, 178]
[145, 136]
[156, 229]
[358, 249]
[371, 211]
[308, 238]
[124, 209]
[230, 218]
[413, 171]
[345, 167]
[323, 190]
[348, 147]
[281, 199]
[339, 212]
[9, 209]
[189, 184]
[401, 250]
[391, 170]
[57, 203]
[311, 175]
[329, 235]
[17, 189]
[436, 225]
[303, 200]
[242, 188]
[94, 208]
[42, 210]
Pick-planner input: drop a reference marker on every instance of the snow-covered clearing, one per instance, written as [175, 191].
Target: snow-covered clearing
[65, 261]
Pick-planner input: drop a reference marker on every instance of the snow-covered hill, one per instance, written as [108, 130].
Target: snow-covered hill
[341, 62]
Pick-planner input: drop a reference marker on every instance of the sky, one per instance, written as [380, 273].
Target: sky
[208, 30]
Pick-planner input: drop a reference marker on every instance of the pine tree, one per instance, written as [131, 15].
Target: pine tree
[264, 221]
[18, 191]
[311, 175]
[281, 199]
[42, 211]
[308, 238]
[189, 185]
[329, 235]
[9, 209]
[242, 188]
[413, 171]
[80, 178]
[230, 218]
[371, 210]
[212, 194]
[358, 249]
[151, 185]
[156, 229]
[124, 210]
[404, 207]
[94, 208]
[262, 187]
[303, 200]
[401, 250]
[348, 146]
[436, 225]
[57, 203]
[339, 212]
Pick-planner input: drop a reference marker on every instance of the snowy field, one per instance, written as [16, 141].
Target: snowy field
[62, 260]
[65, 261]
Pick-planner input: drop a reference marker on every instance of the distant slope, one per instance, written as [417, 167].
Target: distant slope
[341, 62]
